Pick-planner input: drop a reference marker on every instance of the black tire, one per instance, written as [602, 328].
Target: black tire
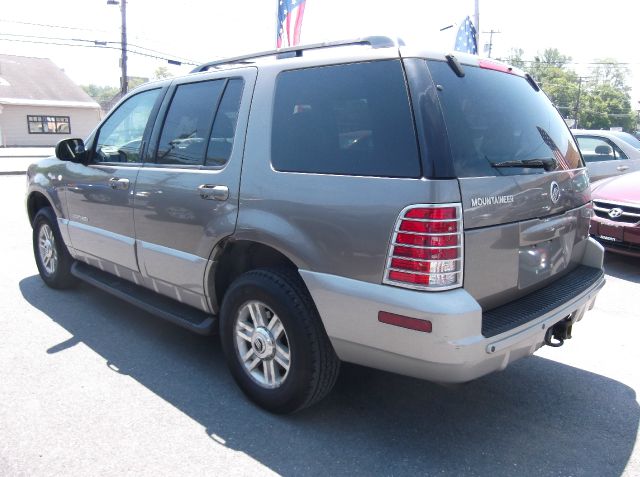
[60, 276]
[314, 365]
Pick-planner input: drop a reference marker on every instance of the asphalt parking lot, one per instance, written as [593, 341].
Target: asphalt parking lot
[90, 385]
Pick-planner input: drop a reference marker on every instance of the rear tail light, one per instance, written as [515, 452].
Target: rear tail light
[427, 248]
[496, 66]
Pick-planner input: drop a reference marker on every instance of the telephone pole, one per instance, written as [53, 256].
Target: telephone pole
[124, 81]
[491, 32]
[577, 112]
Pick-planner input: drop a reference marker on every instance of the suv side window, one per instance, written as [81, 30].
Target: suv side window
[597, 149]
[120, 137]
[224, 127]
[349, 119]
[188, 122]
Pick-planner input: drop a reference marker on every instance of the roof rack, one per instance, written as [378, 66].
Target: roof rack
[373, 41]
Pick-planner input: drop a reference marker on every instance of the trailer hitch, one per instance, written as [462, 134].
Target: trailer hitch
[561, 331]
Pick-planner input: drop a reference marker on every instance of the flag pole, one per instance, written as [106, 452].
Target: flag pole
[476, 20]
[277, 2]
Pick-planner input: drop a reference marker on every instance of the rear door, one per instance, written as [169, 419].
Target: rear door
[186, 195]
[604, 158]
[524, 224]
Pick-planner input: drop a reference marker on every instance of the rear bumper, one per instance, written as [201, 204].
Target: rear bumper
[455, 351]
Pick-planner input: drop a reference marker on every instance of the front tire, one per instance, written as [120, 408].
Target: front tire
[51, 254]
[275, 345]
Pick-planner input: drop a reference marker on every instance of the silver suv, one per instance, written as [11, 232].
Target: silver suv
[356, 201]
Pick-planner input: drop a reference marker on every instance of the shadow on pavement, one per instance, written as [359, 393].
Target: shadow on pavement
[537, 418]
[622, 266]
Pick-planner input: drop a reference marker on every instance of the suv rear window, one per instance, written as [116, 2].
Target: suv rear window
[350, 119]
[493, 117]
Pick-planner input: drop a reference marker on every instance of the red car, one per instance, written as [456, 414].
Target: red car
[616, 220]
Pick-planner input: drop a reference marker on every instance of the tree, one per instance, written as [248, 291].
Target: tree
[549, 64]
[558, 82]
[162, 72]
[562, 88]
[135, 81]
[100, 93]
[551, 56]
[601, 102]
[605, 106]
[609, 71]
[607, 102]
[515, 58]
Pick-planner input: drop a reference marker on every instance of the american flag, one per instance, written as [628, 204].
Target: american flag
[557, 154]
[467, 39]
[290, 14]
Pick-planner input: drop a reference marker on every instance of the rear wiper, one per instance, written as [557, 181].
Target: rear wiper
[547, 163]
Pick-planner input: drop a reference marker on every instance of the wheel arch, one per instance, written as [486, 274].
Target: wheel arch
[36, 201]
[232, 258]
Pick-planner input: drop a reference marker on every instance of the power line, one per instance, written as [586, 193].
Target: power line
[50, 38]
[159, 52]
[554, 64]
[51, 26]
[101, 43]
[96, 46]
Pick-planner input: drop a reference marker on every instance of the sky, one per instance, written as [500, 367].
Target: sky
[201, 31]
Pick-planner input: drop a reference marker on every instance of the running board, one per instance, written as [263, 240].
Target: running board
[164, 307]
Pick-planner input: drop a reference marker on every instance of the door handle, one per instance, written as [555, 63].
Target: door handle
[213, 192]
[119, 184]
[622, 168]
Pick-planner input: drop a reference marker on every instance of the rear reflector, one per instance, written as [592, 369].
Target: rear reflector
[404, 321]
[426, 250]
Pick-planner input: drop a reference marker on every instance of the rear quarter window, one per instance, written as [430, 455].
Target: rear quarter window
[352, 119]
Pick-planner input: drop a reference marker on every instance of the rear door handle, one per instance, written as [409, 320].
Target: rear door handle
[622, 168]
[213, 192]
[119, 184]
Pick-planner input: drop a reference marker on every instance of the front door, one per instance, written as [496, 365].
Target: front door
[186, 197]
[100, 193]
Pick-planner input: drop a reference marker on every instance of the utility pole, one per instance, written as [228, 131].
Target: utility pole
[577, 112]
[124, 81]
[491, 32]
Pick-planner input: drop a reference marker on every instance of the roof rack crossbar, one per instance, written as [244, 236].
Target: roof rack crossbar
[373, 41]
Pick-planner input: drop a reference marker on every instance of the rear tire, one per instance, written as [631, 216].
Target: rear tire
[52, 257]
[275, 345]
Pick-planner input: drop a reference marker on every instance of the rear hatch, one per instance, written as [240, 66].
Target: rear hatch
[523, 185]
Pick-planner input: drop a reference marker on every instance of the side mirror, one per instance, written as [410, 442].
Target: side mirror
[71, 150]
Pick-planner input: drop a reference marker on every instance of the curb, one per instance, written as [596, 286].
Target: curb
[12, 173]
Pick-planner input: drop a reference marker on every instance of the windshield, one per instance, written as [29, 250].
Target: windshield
[628, 138]
[499, 119]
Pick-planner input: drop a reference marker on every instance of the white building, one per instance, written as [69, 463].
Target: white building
[40, 105]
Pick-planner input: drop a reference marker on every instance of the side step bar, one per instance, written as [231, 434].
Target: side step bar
[171, 310]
